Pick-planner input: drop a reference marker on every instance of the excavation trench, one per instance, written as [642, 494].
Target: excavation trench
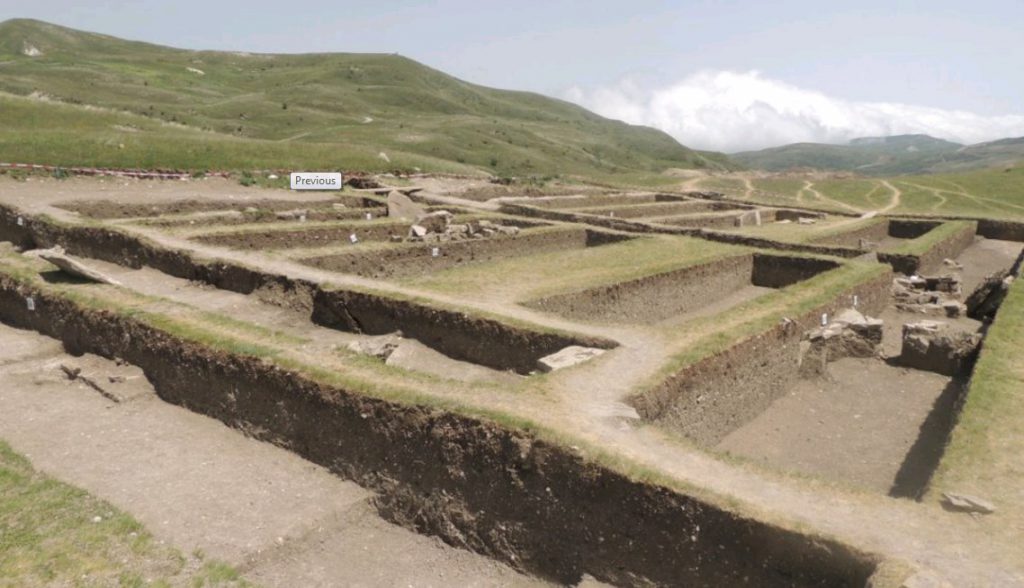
[595, 200]
[108, 209]
[719, 220]
[880, 234]
[459, 335]
[875, 422]
[416, 259]
[346, 233]
[684, 291]
[542, 508]
[932, 258]
[234, 217]
[660, 209]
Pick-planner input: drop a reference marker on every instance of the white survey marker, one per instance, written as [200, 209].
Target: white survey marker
[316, 180]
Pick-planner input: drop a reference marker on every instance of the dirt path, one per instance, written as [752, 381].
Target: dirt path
[810, 189]
[197, 484]
[897, 194]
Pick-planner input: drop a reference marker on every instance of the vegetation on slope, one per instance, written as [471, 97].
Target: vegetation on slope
[349, 110]
[883, 156]
[989, 193]
[985, 456]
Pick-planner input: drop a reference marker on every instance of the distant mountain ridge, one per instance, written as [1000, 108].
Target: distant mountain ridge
[883, 156]
[271, 106]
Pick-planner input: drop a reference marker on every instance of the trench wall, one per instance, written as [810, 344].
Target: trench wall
[931, 259]
[418, 259]
[477, 485]
[710, 398]
[778, 271]
[654, 209]
[480, 340]
[653, 298]
[591, 200]
[875, 232]
[910, 229]
[110, 209]
[276, 238]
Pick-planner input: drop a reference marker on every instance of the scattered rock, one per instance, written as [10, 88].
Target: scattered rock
[988, 296]
[952, 263]
[402, 207]
[967, 503]
[435, 222]
[850, 334]
[925, 579]
[297, 214]
[568, 357]
[806, 221]
[417, 231]
[68, 265]
[937, 347]
[380, 347]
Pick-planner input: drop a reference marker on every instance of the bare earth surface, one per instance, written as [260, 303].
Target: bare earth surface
[197, 484]
[856, 426]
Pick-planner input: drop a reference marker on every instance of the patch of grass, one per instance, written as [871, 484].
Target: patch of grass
[985, 455]
[712, 334]
[562, 271]
[925, 242]
[54, 534]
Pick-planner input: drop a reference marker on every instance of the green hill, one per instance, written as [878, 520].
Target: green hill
[161, 106]
[877, 156]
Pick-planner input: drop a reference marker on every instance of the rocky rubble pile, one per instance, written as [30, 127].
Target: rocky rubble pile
[937, 295]
[437, 227]
[849, 334]
[936, 346]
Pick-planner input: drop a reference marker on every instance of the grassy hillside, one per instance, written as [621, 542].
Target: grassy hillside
[232, 109]
[871, 155]
[988, 193]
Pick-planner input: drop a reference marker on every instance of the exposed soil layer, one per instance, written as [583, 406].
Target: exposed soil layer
[983, 258]
[656, 209]
[458, 335]
[499, 492]
[635, 226]
[930, 260]
[109, 209]
[237, 218]
[595, 200]
[200, 486]
[884, 232]
[341, 233]
[661, 296]
[417, 259]
[710, 398]
[719, 220]
[867, 424]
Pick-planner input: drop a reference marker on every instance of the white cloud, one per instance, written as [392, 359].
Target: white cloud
[734, 111]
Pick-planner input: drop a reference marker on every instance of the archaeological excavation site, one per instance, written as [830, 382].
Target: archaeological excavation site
[595, 387]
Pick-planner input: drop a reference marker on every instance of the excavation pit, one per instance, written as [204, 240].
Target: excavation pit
[108, 209]
[683, 293]
[414, 259]
[325, 234]
[234, 217]
[880, 234]
[660, 209]
[596, 200]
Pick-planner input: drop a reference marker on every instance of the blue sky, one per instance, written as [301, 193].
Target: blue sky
[832, 69]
